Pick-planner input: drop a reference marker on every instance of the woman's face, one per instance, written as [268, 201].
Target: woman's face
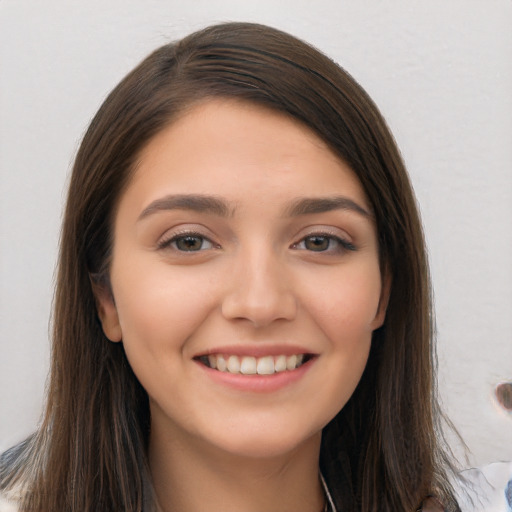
[245, 280]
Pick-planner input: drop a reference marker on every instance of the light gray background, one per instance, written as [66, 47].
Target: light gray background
[441, 72]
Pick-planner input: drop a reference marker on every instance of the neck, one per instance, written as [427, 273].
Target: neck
[191, 476]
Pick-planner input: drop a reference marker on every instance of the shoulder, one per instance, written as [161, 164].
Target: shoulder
[431, 504]
[7, 503]
[486, 489]
[10, 496]
[11, 462]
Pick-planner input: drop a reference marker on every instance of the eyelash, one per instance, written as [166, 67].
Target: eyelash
[342, 244]
[174, 239]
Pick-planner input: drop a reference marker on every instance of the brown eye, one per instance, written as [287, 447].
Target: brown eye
[324, 242]
[189, 242]
[317, 243]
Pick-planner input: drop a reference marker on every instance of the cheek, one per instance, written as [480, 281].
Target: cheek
[343, 306]
[345, 303]
[161, 305]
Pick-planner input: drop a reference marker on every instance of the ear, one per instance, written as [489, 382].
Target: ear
[106, 307]
[380, 316]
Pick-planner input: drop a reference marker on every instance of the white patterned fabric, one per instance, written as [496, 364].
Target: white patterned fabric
[487, 489]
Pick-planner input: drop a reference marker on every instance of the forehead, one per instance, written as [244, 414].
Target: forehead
[224, 146]
[205, 123]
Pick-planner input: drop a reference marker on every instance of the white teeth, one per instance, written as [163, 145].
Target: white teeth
[233, 364]
[266, 365]
[291, 362]
[248, 365]
[222, 366]
[280, 363]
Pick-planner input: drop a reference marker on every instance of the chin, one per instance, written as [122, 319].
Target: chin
[266, 443]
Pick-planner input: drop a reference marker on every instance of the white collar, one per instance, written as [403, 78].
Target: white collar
[328, 497]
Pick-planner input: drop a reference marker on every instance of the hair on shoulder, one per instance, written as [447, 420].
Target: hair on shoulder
[384, 450]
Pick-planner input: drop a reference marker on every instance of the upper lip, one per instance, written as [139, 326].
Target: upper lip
[259, 350]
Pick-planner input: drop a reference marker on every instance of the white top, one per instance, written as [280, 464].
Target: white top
[488, 489]
[7, 505]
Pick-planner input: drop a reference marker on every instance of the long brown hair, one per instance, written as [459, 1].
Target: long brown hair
[382, 451]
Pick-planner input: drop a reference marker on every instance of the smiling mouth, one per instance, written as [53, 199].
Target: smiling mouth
[249, 365]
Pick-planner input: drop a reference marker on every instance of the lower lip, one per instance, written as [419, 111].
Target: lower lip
[258, 383]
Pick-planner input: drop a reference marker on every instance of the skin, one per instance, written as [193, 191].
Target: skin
[262, 277]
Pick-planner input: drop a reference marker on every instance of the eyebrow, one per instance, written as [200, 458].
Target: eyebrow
[217, 206]
[308, 206]
[193, 202]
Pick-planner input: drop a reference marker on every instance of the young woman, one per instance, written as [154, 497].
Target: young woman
[242, 315]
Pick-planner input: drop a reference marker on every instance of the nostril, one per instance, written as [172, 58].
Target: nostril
[504, 395]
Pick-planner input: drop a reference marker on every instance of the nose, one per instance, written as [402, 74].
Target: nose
[259, 289]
